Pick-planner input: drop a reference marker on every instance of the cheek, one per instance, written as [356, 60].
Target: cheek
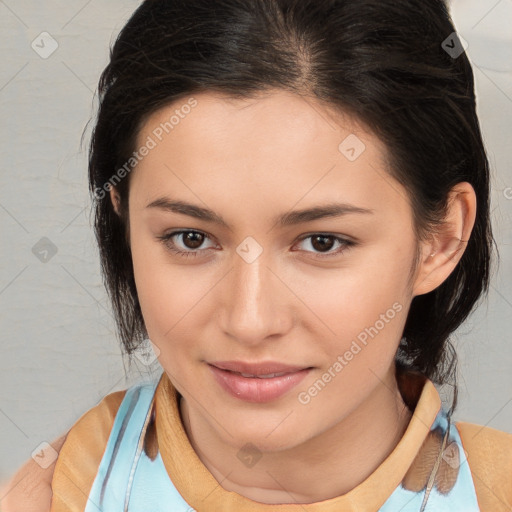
[170, 297]
[168, 293]
[349, 299]
[358, 313]
[155, 295]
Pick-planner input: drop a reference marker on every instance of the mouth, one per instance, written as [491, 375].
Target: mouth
[262, 369]
[268, 376]
[260, 382]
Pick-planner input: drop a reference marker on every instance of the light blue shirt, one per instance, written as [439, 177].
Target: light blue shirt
[129, 481]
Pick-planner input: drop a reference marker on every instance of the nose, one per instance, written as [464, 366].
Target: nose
[257, 303]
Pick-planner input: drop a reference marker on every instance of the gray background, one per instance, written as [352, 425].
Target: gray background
[59, 352]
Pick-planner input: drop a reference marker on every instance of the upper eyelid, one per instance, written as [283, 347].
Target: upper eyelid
[301, 237]
[339, 238]
[345, 238]
[172, 234]
[183, 231]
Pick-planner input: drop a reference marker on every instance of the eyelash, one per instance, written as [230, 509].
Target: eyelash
[166, 240]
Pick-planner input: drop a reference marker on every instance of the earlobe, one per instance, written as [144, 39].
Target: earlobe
[116, 203]
[116, 200]
[444, 249]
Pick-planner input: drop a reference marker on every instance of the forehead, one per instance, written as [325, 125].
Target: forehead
[276, 117]
[276, 144]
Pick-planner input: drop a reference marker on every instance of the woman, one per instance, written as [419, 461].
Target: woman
[292, 204]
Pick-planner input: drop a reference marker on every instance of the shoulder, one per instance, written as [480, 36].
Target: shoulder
[489, 455]
[29, 489]
[81, 454]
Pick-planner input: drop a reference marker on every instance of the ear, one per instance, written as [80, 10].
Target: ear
[116, 199]
[441, 253]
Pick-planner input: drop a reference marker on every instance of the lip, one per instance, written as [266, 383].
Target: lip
[257, 389]
[263, 368]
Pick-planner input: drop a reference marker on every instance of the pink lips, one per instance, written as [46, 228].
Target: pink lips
[258, 382]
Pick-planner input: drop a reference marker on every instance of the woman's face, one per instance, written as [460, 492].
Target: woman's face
[279, 279]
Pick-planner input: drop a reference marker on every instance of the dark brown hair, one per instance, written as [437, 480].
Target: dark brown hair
[394, 65]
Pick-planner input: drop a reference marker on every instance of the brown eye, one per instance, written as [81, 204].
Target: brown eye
[193, 239]
[323, 244]
[190, 244]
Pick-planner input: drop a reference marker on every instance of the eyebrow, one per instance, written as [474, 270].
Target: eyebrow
[285, 219]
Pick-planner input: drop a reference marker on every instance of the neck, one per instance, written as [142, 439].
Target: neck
[326, 466]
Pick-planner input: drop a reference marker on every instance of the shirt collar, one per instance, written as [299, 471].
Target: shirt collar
[201, 490]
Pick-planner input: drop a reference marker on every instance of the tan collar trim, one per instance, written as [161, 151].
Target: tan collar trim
[202, 491]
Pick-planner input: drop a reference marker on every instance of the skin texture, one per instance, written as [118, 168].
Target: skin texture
[249, 161]
[29, 490]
